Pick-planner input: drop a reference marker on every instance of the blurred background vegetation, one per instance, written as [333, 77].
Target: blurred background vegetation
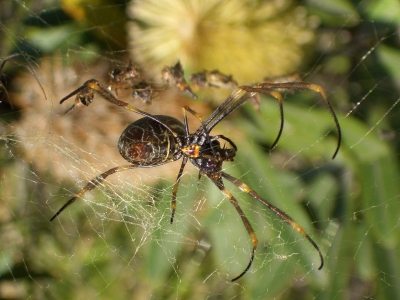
[117, 243]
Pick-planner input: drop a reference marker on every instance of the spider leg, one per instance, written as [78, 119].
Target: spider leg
[234, 101]
[307, 86]
[184, 161]
[209, 140]
[91, 185]
[222, 137]
[185, 122]
[245, 188]
[79, 90]
[320, 90]
[86, 92]
[237, 98]
[194, 113]
[260, 89]
[175, 188]
[245, 221]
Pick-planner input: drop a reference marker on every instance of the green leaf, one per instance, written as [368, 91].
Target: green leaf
[380, 198]
[340, 12]
[306, 131]
[387, 11]
[337, 7]
[390, 59]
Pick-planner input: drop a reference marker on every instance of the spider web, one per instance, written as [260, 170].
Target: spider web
[117, 242]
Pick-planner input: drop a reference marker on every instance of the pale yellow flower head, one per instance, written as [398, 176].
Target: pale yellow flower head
[246, 38]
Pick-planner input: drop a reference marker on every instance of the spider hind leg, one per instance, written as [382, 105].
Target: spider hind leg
[246, 224]
[245, 188]
[91, 185]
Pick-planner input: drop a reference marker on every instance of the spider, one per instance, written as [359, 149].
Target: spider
[158, 139]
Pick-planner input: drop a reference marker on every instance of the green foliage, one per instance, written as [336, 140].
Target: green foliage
[118, 242]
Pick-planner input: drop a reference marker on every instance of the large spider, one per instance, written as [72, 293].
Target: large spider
[157, 139]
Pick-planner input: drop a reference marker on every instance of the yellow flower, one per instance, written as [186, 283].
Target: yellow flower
[246, 38]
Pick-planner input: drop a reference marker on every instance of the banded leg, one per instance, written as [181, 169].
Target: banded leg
[216, 137]
[260, 89]
[287, 86]
[85, 95]
[237, 98]
[175, 188]
[245, 188]
[245, 221]
[194, 113]
[184, 161]
[222, 137]
[91, 185]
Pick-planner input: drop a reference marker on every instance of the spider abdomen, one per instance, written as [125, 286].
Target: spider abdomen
[147, 142]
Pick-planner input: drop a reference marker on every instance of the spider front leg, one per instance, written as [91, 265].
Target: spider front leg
[91, 185]
[266, 88]
[260, 89]
[244, 93]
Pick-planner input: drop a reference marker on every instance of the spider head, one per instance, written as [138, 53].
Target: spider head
[212, 157]
[224, 154]
[228, 154]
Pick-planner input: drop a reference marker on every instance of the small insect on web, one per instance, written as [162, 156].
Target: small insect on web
[158, 139]
[132, 77]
